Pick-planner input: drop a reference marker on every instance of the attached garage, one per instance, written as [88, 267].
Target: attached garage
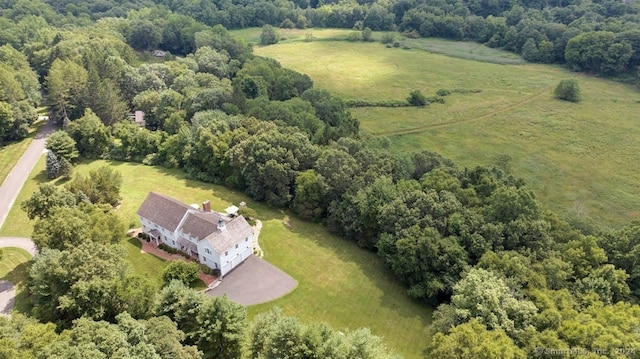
[245, 254]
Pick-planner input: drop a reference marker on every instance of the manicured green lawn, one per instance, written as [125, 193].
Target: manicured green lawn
[339, 283]
[11, 153]
[580, 159]
[342, 285]
[14, 268]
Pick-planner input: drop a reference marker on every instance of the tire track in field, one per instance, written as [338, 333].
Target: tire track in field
[466, 120]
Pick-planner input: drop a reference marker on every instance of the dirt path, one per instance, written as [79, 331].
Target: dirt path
[15, 180]
[7, 290]
[466, 120]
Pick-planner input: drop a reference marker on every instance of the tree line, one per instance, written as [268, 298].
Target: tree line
[474, 241]
[601, 37]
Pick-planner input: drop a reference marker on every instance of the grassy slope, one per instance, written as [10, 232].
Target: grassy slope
[579, 158]
[339, 283]
[13, 268]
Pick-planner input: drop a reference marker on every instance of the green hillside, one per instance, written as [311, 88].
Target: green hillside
[579, 158]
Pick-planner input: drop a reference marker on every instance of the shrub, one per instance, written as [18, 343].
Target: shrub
[366, 34]
[388, 38]
[206, 269]
[396, 43]
[167, 248]
[382, 103]
[435, 99]
[443, 92]
[413, 34]
[287, 24]
[144, 236]
[269, 35]
[353, 36]
[1, 253]
[416, 98]
[249, 214]
[186, 272]
[568, 90]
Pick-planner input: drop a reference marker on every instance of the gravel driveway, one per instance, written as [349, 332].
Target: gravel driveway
[253, 282]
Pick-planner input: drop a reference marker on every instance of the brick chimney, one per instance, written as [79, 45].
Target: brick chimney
[206, 206]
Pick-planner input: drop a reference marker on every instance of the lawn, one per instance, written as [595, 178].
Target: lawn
[11, 153]
[17, 223]
[14, 268]
[339, 283]
[580, 159]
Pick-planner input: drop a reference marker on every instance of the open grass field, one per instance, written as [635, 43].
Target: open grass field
[11, 153]
[581, 159]
[339, 283]
[461, 49]
[14, 268]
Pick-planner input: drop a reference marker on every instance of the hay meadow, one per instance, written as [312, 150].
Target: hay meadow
[580, 158]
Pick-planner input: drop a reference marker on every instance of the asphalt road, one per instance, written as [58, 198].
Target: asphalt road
[8, 193]
[15, 180]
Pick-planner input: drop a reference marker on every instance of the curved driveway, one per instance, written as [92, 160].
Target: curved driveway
[24, 243]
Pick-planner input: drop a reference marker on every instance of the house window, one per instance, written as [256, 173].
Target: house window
[207, 251]
[174, 242]
[226, 253]
[236, 246]
[204, 259]
[246, 239]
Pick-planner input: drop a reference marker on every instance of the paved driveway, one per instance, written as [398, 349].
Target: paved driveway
[7, 297]
[7, 290]
[253, 282]
[13, 183]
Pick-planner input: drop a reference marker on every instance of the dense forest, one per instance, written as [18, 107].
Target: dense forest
[508, 276]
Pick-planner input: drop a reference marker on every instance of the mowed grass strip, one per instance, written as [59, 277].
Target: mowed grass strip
[14, 268]
[339, 283]
[580, 159]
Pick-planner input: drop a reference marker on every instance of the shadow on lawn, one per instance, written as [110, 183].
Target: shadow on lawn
[18, 277]
[369, 263]
[224, 193]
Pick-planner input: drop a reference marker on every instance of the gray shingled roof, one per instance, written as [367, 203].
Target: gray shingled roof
[168, 213]
[162, 210]
[236, 230]
[204, 225]
[200, 224]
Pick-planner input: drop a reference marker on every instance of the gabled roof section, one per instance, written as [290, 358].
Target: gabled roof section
[199, 224]
[236, 230]
[163, 211]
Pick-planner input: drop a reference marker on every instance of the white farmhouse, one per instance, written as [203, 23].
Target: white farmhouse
[221, 241]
